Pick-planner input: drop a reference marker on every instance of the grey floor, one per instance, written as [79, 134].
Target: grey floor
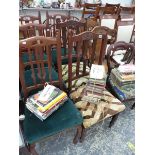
[99, 140]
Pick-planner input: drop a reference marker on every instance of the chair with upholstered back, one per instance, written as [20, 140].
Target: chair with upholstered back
[30, 19]
[90, 10]
[127, 10]
[120, 53]
[125, 29]
[78, 75]
[34, 79]
[109, 21]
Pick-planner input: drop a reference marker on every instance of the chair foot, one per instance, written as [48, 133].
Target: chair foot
[83, 134]
[78, 134]
[133, 106]
[32, 149]
[114, 118]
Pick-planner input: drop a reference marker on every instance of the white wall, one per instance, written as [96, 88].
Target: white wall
[122, 2]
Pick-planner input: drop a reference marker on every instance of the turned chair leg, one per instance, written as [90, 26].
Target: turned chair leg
[32, 149]
[78, 134]
[133, 106]
[82, 134]
[114, 118]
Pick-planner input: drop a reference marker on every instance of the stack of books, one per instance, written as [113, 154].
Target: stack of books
[95, 86]
[45, 102]
[123, 80]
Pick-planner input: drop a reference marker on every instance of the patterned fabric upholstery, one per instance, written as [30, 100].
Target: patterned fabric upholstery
[94, 113]
[78, 82]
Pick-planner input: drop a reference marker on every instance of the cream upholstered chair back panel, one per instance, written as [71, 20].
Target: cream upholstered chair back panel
[125, 30]
[109, 21]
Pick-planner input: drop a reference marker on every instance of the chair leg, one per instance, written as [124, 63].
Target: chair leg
[83, 134]
[32, 149]
[114, 118]
[78, 134]
[133, 106]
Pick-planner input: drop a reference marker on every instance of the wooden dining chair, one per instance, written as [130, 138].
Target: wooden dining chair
[30, 19]
[32, 29]
[33, 80]
[78, 75]
[90, 10]
[64, 27]
[120, 53]
[111, 35]
[125, 29]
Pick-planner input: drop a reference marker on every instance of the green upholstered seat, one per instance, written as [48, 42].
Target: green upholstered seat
[65, 117]
[64, 61]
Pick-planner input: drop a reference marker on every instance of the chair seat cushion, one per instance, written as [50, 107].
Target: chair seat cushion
[93, 113]
[124, 92]
[65, 60]
[78, 82]
[65, 117]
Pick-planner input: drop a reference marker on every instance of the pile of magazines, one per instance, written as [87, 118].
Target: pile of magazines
[123, 81]
[45, 102]
[95, 86]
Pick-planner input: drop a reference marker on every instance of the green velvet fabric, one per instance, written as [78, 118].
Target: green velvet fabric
[65, 117]
[64, 61]
[25, 57]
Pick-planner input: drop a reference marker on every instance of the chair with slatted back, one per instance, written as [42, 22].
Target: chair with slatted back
[112, 5]
[125, 29]
[64, 27]
[89, 10]
[32, 29]
[90, 24]
[111, 34]
[123, 92]
[52, 19]
[33, 80]
[78, 75]
[107, 10]
[30, 19]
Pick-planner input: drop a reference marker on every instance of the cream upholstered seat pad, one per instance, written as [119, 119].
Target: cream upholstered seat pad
[78, 82]
[93, 113]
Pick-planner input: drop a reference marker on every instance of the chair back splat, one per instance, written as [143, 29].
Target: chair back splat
[41, 69]
[85, 44]
[64, 27]
[30, 19]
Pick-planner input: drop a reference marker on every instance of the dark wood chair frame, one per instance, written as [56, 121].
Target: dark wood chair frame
[30, 30]
[82, 38]
[38, 44]
[82, 42]
[30, 18]
[89, 8]
[128, 57]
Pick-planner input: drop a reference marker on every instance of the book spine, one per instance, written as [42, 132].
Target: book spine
[42, 109]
